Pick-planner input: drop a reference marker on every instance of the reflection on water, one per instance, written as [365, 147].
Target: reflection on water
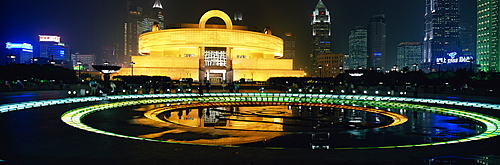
[303, 127]
[275, 118]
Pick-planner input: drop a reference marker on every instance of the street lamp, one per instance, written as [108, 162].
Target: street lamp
[11, 57]
[79, 68]
[132, 65]
[320, 69]
[415, 65]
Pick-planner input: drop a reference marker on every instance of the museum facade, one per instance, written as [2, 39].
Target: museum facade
[211, 52]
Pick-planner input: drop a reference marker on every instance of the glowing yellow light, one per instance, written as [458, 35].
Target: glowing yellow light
[175, 52]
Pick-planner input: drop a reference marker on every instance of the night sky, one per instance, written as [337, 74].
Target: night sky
[86, 25]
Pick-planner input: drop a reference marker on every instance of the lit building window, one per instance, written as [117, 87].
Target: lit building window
[215, 58]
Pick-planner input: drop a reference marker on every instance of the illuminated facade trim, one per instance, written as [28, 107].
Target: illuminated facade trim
[157, 5]
[216, 13]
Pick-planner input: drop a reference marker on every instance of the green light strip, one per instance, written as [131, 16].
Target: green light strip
[492, 124]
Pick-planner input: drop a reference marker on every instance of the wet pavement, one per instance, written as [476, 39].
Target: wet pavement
[38, 136]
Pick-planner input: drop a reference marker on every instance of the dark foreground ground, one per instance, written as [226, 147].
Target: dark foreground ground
[38, 136]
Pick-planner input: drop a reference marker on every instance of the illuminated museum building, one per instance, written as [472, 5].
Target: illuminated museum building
[212, 52]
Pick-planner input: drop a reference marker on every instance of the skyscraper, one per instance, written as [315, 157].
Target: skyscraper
[52, 50]
[377, 42]
[45, 42]
[289, 48]
[358, 48]
[23, 52]
[108, 54]
[467, 39]
[408, 54]
[238, 18]
[321, 31]
[488, 43]
[158, 13]
[442, 35]
[132, 30]
[156, 16]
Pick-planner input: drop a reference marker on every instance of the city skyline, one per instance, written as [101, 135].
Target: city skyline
[99, 23]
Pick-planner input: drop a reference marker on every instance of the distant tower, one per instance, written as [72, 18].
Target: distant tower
[158, 13]
[321, 31]
[22, 51]
[52, 50]
[488, 31]
[289, 48]
[156, 17]
[108, 54]
[358, 48]
[132, 30]
[377, 42]
[238, 18]
[442, 33]
[467, 39]
[408, 54]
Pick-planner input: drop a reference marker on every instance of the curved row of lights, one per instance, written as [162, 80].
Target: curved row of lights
[492, 124]
[73, 117]
[303, 97]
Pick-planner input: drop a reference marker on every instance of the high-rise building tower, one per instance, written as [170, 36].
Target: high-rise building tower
[289, 48]
[321, 31]
[238, 18]
[22, 53]
[409, 54]
[132, 30]
[158, 13]
[358, 48]
[156, 17]
[52, 50]
[488, 42]
[467, 39]
[377, 42]
[442, 35]
[108, 54]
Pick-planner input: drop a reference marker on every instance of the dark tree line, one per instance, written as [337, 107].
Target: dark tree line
[35, 73]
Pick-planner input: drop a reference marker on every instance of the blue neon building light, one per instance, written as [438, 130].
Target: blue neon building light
[24, 46]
